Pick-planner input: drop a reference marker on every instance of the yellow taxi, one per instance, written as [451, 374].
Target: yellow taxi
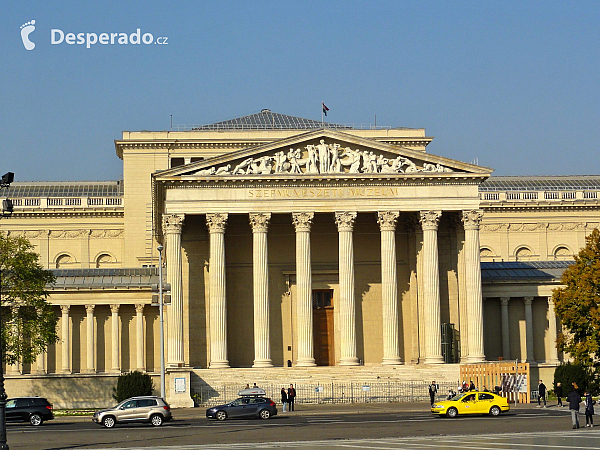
[471, 403]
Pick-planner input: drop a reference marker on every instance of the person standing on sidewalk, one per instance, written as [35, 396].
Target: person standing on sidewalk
[558, 392]
[432, 391]
[574, 400]
[589, 410]
[541, 393]
[291, 397]
[284, 398]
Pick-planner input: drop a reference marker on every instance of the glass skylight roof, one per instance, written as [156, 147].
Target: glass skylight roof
[541, 183]
[64, 189]
[267, 120]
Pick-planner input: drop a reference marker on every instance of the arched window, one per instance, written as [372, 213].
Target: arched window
[562, 253]
[104, 260]
[64, 261]
[486, 254]
[523, 254]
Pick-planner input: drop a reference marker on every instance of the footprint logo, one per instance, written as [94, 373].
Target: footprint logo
[26, 30]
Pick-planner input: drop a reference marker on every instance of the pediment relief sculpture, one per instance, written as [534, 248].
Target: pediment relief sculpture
[322, 159]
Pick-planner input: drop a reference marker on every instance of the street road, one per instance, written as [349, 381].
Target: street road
[370, 430]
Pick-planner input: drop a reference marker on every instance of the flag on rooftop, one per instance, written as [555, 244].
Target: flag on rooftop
[325, 108]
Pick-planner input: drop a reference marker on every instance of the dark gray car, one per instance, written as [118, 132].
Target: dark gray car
[254, 406]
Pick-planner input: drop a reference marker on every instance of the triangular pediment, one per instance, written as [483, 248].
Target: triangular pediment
[324, 152]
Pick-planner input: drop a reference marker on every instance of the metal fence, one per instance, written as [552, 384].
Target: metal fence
[333, 392]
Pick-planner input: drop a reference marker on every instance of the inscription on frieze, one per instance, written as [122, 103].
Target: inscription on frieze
[358, 192]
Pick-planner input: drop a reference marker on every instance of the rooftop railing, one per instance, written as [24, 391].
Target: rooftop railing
[279, 126]
[66, 202]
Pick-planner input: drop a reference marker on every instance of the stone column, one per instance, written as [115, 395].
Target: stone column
[389, 287]
[15, 368]
[139, 337]
[505, 328]
[216, 224]
[552, 331]
[262, 346]
[172, 226]
[431, 287]
[115, 339]
[529, 329]
[304, 319]
[471, 221]
[41, 364]
[90, 344]
[345, 223]
[66, 339]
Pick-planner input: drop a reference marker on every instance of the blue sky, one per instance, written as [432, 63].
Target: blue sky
[513, 84]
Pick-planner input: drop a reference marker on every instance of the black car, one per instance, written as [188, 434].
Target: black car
[34, 410]
[252, 403]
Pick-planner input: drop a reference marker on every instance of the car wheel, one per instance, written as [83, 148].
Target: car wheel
[221, 415]
[452, 413]
[265, 414]
[108, 422]
[156, 420]
[35, 419]
[494, 411]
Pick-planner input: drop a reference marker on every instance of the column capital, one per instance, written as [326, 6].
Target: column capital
[430, 219]
[114, 308]
[504, 300]
[139, 307]
[89, 309]
[387, 220]
[345, 220]
[216, 222]
[528, 300]
[172, 223]
[259, 222]
[472, 219]
[65, 309]
[303, 220]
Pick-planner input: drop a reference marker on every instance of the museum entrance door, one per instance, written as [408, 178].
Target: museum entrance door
[323, 327]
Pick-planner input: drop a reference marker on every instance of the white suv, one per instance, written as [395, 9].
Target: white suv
[135, 409]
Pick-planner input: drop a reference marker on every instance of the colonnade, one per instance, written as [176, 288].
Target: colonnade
[529, 355]
[302, 221]
[89, 364]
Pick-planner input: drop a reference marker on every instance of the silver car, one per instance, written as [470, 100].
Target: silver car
[135, 409]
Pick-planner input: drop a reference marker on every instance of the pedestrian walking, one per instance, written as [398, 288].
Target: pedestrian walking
[472, 386]
[574, 400]
[284, 398]
[589, 410]
[559, 393]
[291, 397]
[433, 388]
[541, 394]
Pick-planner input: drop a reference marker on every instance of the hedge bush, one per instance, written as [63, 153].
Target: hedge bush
[132, 384]
[568, 373]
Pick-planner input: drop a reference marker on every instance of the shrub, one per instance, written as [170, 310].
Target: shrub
[132, 384]
[568, 373]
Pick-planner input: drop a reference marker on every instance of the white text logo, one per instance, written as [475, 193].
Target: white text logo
[58, 36]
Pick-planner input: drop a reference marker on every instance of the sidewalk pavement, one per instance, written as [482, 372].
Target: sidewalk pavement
[308, 409]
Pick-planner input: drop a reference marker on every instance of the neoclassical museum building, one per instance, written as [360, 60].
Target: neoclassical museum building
[296, 249]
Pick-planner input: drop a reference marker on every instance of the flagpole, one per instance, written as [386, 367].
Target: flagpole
[322, 116]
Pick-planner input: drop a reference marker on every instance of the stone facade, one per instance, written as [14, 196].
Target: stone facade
[292, 248]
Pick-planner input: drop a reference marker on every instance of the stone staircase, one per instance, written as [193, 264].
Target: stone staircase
[327, 384]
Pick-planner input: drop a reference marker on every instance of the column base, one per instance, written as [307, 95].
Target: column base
[219, 365]
[433, 360]
[40, 372]
[260, 363]
[471, 359]
[306, 362]
[391, 362]
[352, 361]
[89, 371]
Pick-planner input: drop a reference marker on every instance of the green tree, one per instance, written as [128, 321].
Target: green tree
[577, 305]
[132, 384]
[28, 320]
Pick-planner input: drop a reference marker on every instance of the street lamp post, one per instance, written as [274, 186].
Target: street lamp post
[162, 323]
[7, 178]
